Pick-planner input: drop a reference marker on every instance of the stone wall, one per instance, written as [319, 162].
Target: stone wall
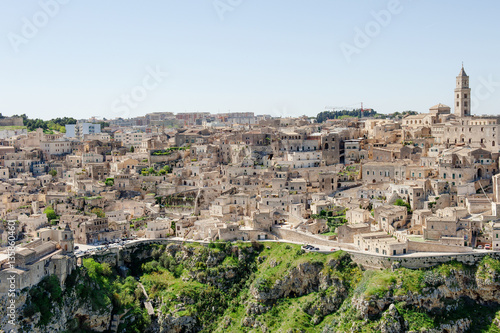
[436, 247]
[117, 257]
[370, 261]
[295, 236]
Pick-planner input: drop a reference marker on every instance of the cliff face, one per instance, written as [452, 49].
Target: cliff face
[66, 314]
[273, 287]
[436, 290]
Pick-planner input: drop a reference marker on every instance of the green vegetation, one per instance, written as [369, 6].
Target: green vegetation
[92, 198]
[103, 123]
[51, 214]
[402, 203]
[98, 211]
[356, 113]
[169, 151]
[53, 172]
[10, 128]
[105, 290]
[325, 115]
[41, 297]
[152, 172]
[334, 218]
[489, 268]
[230, 287]
[350, 171]
[417, 319]
[109, 182]
[48, 126]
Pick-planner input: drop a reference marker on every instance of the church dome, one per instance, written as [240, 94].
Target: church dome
[440, 106]
[440, 109]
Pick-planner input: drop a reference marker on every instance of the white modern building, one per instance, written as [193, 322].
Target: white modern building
[80, 129]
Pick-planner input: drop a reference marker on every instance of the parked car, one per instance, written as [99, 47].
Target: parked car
[487, 246]
[479, 246]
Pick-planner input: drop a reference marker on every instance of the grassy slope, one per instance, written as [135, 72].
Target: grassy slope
[287, 314]
[220, 305]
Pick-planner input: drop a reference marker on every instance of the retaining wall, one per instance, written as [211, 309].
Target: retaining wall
[371, 261]
[295, 236]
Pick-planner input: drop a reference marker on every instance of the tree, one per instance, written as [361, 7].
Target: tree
[99, 212]
[51, 214]
[402, 203]
[109, 182]
[132, 149]
[53, 172]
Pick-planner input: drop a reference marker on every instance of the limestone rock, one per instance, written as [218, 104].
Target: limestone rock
[391, 321]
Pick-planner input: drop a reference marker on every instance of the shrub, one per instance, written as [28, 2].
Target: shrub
[51, 214]
[262, 284]
[41, 297]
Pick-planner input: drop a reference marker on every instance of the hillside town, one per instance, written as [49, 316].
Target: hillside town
[418, 183]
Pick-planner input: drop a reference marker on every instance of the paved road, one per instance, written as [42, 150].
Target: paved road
[322, 248]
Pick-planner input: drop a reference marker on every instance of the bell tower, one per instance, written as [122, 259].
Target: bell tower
[66, 239]
[462, 95]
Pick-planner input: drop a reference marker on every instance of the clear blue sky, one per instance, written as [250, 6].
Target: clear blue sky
[280, 57]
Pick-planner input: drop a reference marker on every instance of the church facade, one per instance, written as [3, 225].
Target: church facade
[459, 127]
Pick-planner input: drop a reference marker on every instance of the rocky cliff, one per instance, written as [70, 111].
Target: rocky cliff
[252, 287]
